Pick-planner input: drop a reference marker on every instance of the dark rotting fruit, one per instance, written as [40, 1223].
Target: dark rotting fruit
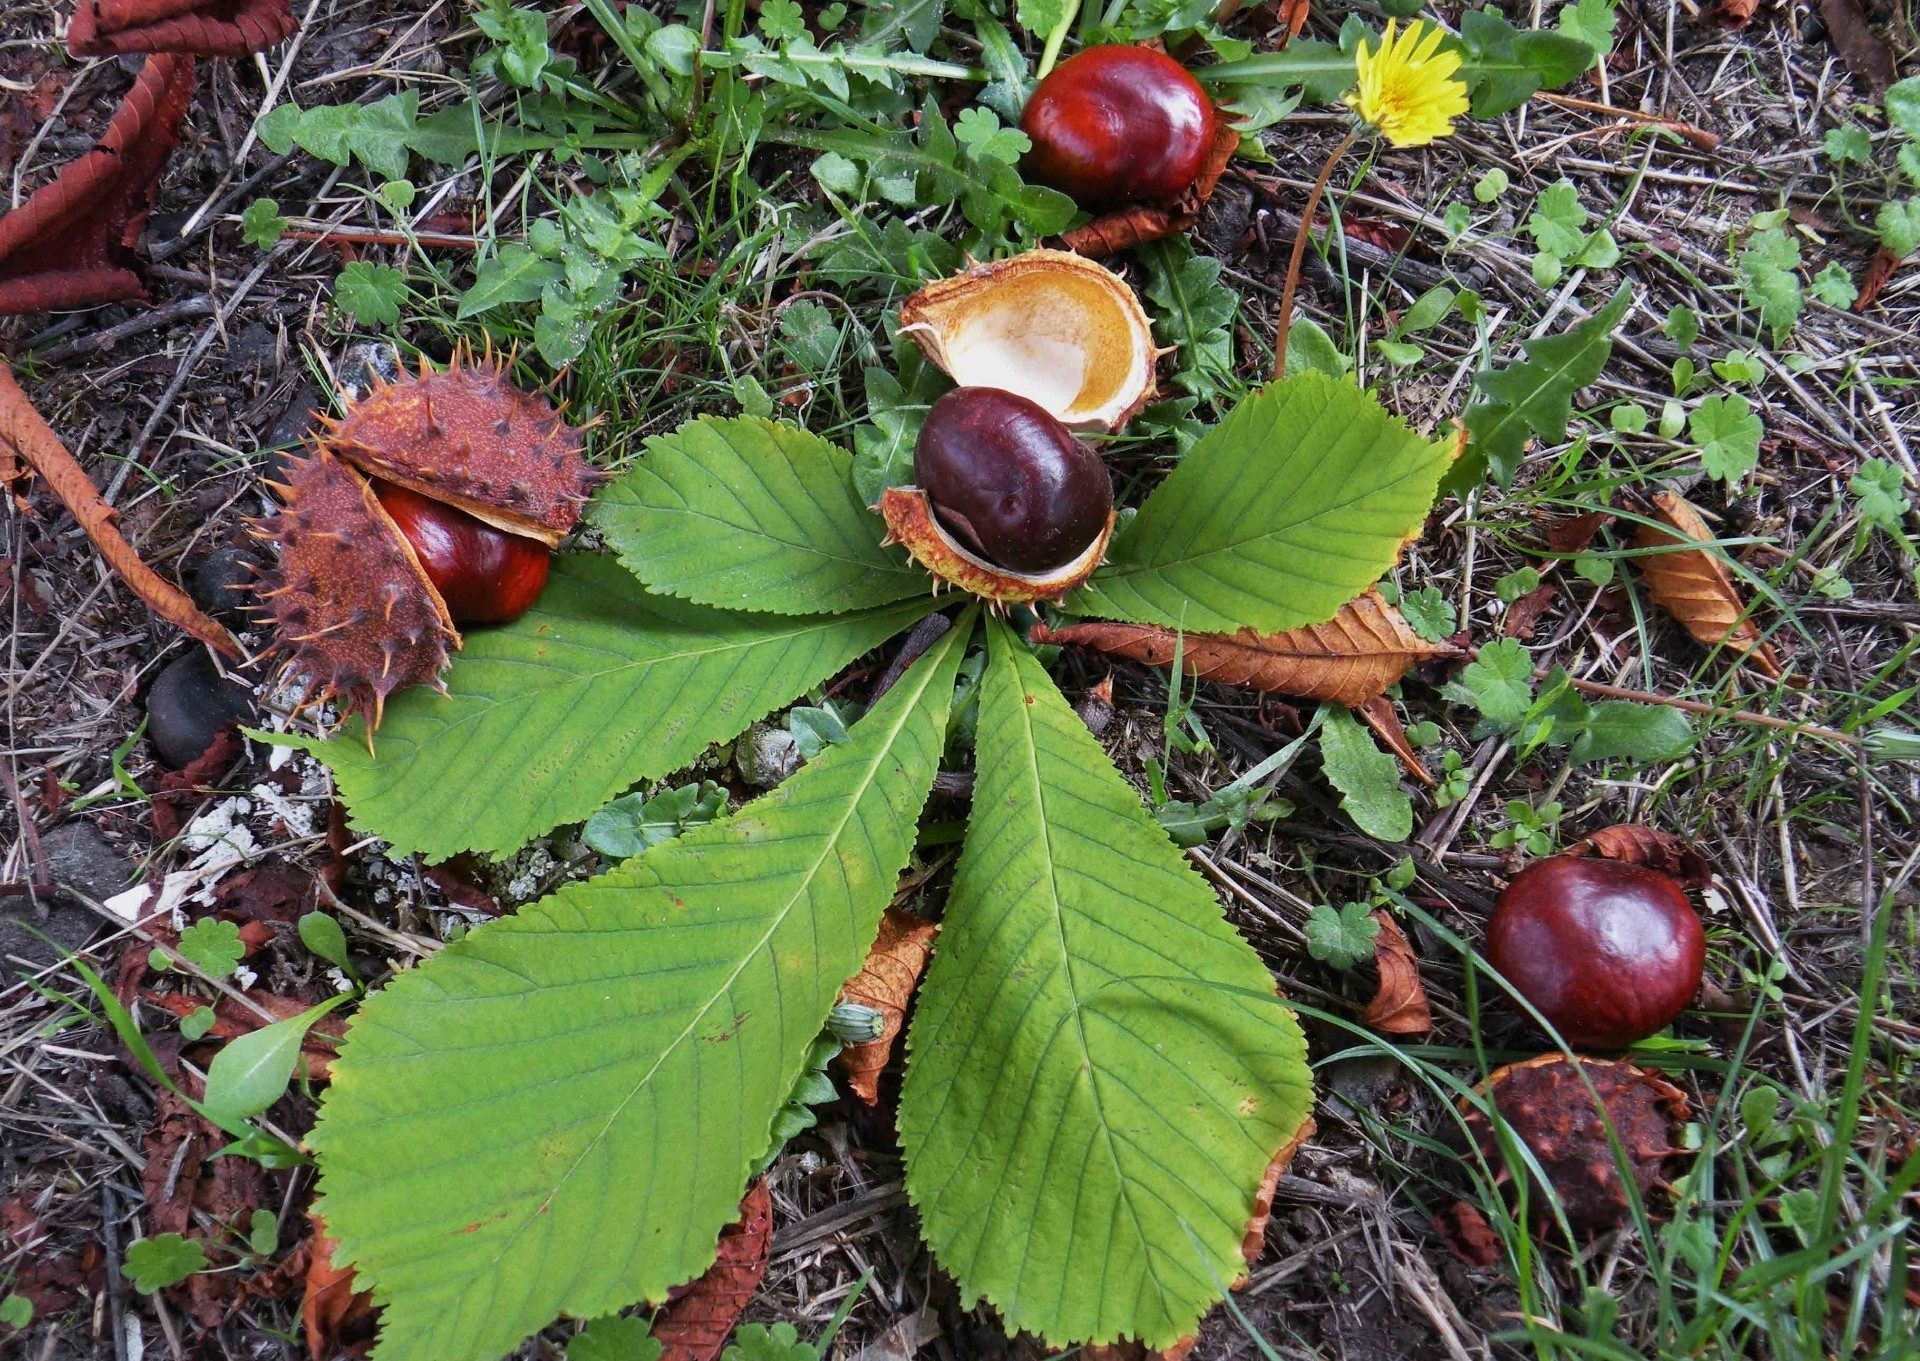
[1115, 125]
[486, 575]
[1010, 482]
[1608, 951]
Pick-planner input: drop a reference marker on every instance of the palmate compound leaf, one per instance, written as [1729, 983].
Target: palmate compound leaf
[557, 1113]
[1295, 503]
[748, 514]
[599, 685]
[1094, 1087]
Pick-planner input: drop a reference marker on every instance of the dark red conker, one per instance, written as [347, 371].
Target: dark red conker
[1116, 124]
[1609, 952]
[486, 575]
[1009, 481]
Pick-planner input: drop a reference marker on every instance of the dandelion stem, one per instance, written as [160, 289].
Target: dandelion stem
[1299, 252]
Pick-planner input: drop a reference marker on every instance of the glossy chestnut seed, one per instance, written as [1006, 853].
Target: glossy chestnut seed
[1116, 124]
[1609, 952]
[1009, 481]
[486, 575]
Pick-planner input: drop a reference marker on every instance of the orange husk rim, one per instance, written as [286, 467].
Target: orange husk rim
[978, 327]
[911, 523]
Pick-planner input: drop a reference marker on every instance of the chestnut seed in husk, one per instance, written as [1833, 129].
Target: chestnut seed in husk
[486, 575]
[1009, 481]
[1609, 952]
[1114, 125]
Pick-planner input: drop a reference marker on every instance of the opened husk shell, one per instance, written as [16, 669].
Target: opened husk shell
[1052, 326]
[911, 523]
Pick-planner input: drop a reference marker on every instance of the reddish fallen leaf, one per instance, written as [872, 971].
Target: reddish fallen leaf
[1350, 659]
[1467, 1234]
[200, 28]
[182, 1180]
[1139, 223]
[1388, 236]
[695, 1323]
[885, 983]
[1694, 585]
[1254, 1241]
[1864, 51]
[182, 791]
[1379, 714]
[1648, 846]
[1400, 1006]
[337, 1317]
[1575, 533]
[1736, 13]
[461, 889]
[33, 439]
[71, 243]
[1293, 18]
[1523, 615]
[272, 893]
[1878, 272]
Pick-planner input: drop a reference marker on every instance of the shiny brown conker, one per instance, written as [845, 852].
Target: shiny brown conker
[1010, 482]
[1608, 951]
[1116, 124]
[486, 575]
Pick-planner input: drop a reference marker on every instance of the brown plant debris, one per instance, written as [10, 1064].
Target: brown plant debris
[1648, 846]
[1350, 659]
[333, 1312]
[353, 611]
[1467, 1234]
[1694, 585]
[1400, 1006]
[202, 28]
[1254, 1241]
[1139, 223]
[1379, 714]
[71, 244]
[27, 437]
[1550, 1109]
[695, 1323]
[885, 983]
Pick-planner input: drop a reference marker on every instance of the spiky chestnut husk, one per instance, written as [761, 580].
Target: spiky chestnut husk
[467, 437]
[1550, 1110]
[911, 523]
[352, 609]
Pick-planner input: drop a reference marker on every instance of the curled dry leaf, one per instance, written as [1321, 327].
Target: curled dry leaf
[1879, 270]
[1863, 50]
[1467, 1234]
[334, 1313]
[1648, 846]
[1736, 13]
[1379, 714]
[1400, 1006]
[695, 1323]
[885, 983]
[1139, 223]
[201, 28]
[71, 243]
[32, 440]
[1349, 660]
[1694, 585]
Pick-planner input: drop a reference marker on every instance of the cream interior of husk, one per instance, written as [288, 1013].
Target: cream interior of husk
[1065, 338]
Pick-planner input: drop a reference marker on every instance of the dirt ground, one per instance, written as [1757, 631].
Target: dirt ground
[173, 406]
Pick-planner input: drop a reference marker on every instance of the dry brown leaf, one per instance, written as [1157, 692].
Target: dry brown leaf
[1736, 13]
[1467, 1234]
[1293, 18]
[1575, 533]
[335, 1314]
[1523, 615]
[1379, 714]
[22, 428]
[885, 983]
[695, 1323]
[1350, 659]
[1879, 270]
[1694, 585]
[1864, 51]
[1136, 224]
[1648, 846]
[203, 28]
[1400, 1006]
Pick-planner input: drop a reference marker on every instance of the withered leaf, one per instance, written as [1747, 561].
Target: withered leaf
[1736, 13]
[1694, 585]
[1523, 615]
[885, 983]
[1400, 1006]
[1350, 659]
[1863, 50]
[1379, 714]
[695, 1323]
[1648, 846]
[1879, 270]
[1467, 1234]
[71, 243]
[201, 28]
[1136, 224]
[334, 1313]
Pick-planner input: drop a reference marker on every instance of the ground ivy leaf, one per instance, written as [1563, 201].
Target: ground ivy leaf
[1097, 1080]
[213, 946]
[372, 294]
[569, 1100]
[598, 686]
[1770, 279]
[1728, 434]
[166, 1259]
[1287, 509]
[1368, 778]
[1499, 683]
[1557, 223]
[1341, 936]
[1880, 493]
[750, 514]
[1430, 613]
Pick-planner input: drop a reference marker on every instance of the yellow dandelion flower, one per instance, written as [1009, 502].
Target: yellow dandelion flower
[1408, 92]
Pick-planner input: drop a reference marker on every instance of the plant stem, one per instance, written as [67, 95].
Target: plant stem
[1299, 253]
[1055, 40]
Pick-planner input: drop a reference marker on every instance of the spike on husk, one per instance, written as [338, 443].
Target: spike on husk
[912, 524]
[352, 609]
[467, 437]
[1049, 325]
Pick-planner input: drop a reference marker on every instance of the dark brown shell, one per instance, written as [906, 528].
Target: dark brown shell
[352, 609]
[1552, 1112]
[467, 437]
